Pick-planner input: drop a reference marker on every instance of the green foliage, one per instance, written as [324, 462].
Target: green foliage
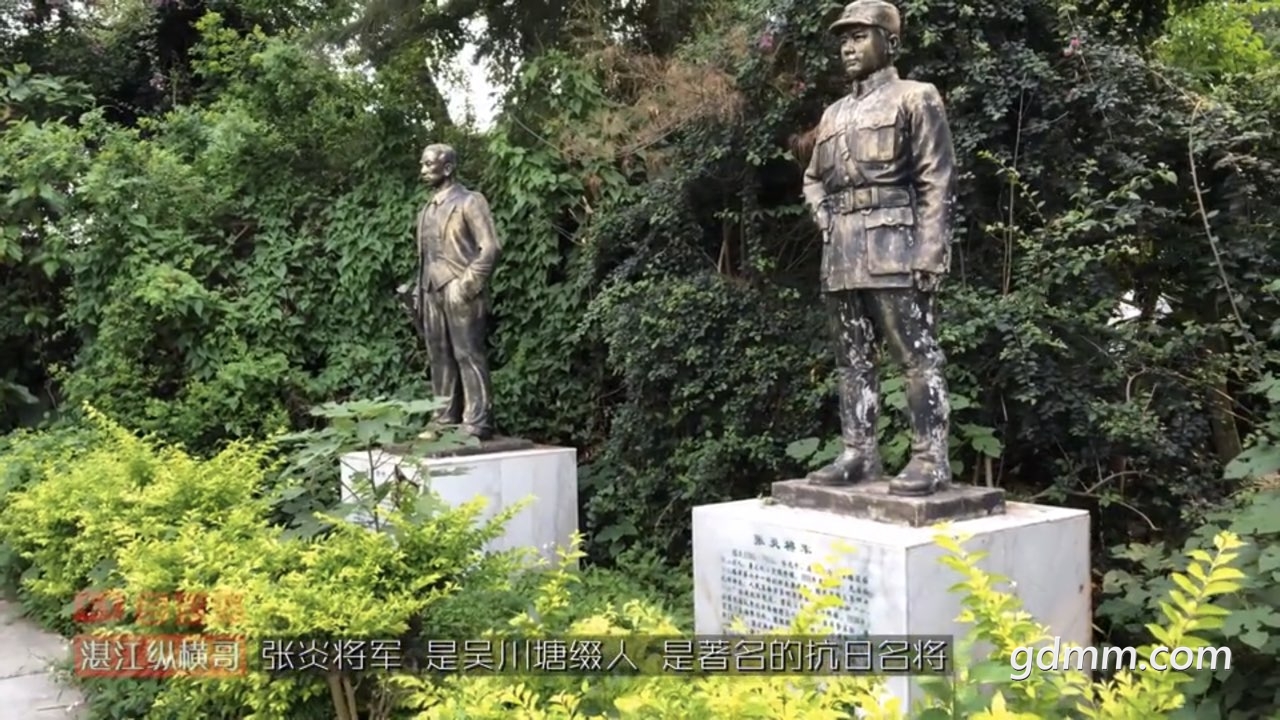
[33, 143]
[146, 519]
[35, 96]
[1261, 459]
[1219, 41]
[987, 689]
[712, 394]
[201, 295]
[364, 482]
[542, 281]
[68, 524]
[1251, 629]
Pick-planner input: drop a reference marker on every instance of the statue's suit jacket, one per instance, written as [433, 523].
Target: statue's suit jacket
[884, 167]
[456, 241]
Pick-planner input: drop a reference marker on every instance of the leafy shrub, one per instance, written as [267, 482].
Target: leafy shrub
[1187, 609]
[1218, 41]
[711, 394]
[137, 516]
[25, 458]
[71, 524]
[1252, 630]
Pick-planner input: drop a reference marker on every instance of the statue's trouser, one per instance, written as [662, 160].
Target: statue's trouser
[456, 335]
[903, 318]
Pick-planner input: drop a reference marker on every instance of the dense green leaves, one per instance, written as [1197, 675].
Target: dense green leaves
[231, 261]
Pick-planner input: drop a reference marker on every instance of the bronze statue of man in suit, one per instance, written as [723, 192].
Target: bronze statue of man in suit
[457, 251]
[881, 183]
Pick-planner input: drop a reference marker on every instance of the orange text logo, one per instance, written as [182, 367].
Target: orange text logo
[179, 610]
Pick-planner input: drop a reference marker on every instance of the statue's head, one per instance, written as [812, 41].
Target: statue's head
[870, 34]
[438, 164]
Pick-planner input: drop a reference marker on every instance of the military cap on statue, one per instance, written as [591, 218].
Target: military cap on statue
[875, 13]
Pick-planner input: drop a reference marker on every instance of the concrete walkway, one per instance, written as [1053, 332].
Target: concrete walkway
[29, 688]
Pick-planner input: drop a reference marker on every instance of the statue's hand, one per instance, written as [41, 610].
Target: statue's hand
[471, 285]
[464, 289]
[823, 218]
[408, 294]
[453, 293]
[926, 281]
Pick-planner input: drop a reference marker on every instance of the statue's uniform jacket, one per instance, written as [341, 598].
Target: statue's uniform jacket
[883, 165]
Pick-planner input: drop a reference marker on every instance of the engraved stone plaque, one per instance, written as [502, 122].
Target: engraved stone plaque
[761, 582]
[751, 558]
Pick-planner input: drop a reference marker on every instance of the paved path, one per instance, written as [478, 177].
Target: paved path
[29, 688]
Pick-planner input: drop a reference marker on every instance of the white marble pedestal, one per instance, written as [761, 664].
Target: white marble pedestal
[547, 476]
[751, 556]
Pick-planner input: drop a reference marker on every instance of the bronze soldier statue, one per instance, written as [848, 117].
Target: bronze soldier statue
[881, 183]
[457, 251]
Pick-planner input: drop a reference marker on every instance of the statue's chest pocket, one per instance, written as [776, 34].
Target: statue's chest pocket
[828, 150]
[877, 137]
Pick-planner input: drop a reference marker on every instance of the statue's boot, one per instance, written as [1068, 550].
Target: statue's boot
[853, 466]
[480, 432]
[929, 413]
[442, 419]
[859, 462]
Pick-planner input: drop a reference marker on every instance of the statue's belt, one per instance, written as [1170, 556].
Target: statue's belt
[868, 198]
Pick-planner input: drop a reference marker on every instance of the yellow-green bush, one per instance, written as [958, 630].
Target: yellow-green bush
[69, 525]
[148, 519]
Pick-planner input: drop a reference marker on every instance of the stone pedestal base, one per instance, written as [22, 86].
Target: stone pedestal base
[751, 557]
[495, 444]
[548, 476]
[872, 501]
